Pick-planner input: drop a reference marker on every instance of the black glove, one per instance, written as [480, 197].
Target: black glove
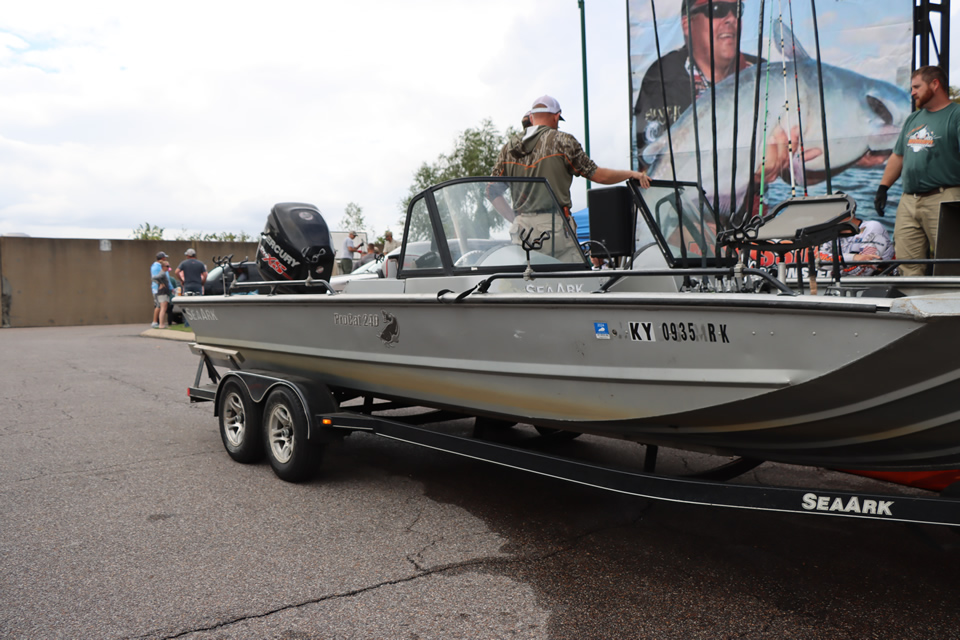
[880, 200]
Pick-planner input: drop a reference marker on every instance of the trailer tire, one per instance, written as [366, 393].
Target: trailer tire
[240, 423]
[290, 454]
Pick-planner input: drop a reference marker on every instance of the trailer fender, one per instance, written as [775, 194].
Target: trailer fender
[314, 396]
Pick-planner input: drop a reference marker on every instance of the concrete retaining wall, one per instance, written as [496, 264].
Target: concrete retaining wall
[63, 282]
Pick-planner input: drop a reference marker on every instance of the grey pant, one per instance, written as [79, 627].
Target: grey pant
[5, 300]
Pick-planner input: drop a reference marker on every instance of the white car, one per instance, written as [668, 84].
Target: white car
[380, 268]
[370, 271]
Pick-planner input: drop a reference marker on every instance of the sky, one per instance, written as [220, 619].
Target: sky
[199, 116]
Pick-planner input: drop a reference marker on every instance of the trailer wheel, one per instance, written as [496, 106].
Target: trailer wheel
[240, 423]
[285, 436]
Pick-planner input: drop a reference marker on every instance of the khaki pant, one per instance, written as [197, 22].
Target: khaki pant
[915, 233]
[558, 243]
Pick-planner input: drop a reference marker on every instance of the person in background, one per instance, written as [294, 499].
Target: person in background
[6, 297]
[192, 274]
[370, 254]
[166, 289]
[389, 244]
[156, 271]
[348, 251]
[872, 243]
[927, 156]
[652, 115]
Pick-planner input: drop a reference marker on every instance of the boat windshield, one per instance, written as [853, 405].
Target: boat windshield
[677, 225]
[492, 222]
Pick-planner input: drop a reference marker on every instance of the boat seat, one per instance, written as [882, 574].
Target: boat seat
[797, 223]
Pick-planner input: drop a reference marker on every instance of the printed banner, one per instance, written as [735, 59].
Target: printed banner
[865, 50]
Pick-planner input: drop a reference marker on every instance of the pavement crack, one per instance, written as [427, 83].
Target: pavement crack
[119, 380]
[333, 596]
[117, 467]
[447, 568]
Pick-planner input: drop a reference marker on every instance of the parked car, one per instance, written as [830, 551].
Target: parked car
[370, 271]
[415, 252]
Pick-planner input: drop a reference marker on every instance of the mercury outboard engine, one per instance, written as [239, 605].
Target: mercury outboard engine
[295, 244]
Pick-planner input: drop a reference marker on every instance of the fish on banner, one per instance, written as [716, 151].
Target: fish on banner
[865, 100]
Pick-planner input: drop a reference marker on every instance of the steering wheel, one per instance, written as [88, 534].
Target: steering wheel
[429, 260]
[470, 258]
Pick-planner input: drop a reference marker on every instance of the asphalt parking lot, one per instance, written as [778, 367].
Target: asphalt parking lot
[123, 517]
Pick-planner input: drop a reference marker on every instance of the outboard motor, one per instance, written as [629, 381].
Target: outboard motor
[295, 244]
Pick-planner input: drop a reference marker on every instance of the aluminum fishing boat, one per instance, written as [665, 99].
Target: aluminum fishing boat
[493, 310]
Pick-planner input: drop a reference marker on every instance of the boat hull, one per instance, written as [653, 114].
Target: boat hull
[802, 380]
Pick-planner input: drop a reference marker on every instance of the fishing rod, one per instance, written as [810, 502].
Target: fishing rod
[713, 120]
[823, 109]
[734, 150]
[766, 116]
[736, 113]
[748, 203]
[666, 117]
[696, 125]
[796, 80]
[786, 101]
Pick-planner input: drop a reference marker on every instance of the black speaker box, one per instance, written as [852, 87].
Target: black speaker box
[612, 220]
[948, 238]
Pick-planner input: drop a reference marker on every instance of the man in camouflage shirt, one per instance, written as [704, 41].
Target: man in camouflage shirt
[541, 151]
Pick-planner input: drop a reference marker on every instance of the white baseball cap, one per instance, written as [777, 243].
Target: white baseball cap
[546, 104]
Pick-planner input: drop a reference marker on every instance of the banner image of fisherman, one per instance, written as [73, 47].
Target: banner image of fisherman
[691, 59]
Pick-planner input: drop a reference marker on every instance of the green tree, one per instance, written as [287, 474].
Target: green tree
[353, 219]
[148, 232]
[221, 236]
[474, 153]
[954, 93]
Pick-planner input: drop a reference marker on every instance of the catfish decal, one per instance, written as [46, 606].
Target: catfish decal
[390, 334]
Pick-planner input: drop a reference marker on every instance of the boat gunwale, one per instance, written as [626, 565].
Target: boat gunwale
[607, 299]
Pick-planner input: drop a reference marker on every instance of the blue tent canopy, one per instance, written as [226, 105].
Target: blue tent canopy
[582, 218]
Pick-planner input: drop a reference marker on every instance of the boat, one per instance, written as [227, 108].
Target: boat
[492, 310]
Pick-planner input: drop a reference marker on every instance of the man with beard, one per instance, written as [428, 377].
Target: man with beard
[927, 155]
[653, 116]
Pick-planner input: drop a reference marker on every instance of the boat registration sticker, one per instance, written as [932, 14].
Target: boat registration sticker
[679, 332]
[602, 330]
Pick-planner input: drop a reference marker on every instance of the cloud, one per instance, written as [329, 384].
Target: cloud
[204, 116]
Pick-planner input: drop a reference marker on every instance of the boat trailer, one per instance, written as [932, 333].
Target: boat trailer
[313, 417]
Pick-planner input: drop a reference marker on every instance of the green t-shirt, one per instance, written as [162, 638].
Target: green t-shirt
[930, 146]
